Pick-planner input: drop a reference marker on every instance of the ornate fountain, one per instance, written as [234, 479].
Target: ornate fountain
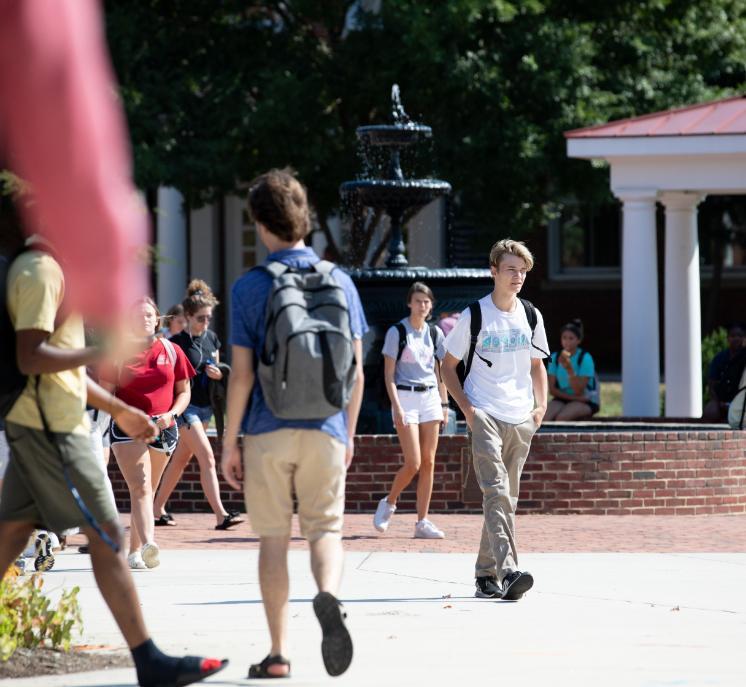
[394, 194]
[383, 290]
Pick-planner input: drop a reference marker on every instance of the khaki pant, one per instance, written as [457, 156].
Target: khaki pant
[499, 451]
[310, 463]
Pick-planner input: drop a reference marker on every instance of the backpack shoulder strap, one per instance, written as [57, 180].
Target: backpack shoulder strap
[581, 356]
[170, 350]
[324, 267]
[274, 268]
[402, 339]
[475, 326]
[533, 319]
[433, 334]
[528, 306]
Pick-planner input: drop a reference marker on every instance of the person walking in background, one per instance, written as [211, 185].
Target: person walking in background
[724, 375]
[174, 322]
[47, 430]
[419, 404]
[202, 348]
[286, 457]
[503, 396]
[572, 378]
[157, 382]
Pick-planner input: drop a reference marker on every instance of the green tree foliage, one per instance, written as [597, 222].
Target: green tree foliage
[218, 92]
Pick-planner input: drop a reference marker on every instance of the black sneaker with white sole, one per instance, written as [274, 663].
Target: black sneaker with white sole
[44, 559]
[516, 584]
[487, 588]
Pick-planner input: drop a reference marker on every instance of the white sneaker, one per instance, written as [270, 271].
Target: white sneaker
[151, 555]
[135, 561]
[383, 515]
[424, 529]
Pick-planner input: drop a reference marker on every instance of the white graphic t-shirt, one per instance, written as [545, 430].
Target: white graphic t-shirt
[504, 389]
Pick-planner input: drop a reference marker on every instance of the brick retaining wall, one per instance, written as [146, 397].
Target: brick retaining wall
[660, 473]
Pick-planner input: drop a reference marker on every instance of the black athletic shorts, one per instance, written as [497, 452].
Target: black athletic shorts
[165, 442]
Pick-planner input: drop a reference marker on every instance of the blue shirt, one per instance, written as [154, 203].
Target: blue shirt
[586, 369]
[248, 308]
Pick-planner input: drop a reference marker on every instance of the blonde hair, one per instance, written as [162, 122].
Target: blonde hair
[199, 295]
[510, 247]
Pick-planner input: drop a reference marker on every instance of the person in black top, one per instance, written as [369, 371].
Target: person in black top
[202, 348]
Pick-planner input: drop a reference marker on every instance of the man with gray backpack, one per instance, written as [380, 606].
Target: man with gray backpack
[297, 327]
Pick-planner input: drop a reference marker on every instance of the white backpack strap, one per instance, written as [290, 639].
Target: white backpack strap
[170, 350]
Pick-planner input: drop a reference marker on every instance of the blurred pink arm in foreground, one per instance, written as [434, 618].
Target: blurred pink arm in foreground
[62, 129]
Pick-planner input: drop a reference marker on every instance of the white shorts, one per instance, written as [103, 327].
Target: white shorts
[420, 406]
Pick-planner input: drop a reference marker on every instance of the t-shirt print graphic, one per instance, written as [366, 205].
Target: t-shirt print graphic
[504, 341]
[419, 354]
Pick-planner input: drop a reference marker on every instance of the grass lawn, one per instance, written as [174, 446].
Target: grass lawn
[611, 399]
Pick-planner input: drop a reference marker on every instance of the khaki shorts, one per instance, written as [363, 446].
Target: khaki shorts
[35, 490]
[308, 462]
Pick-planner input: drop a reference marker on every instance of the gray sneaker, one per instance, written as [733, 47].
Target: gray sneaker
[383, 515]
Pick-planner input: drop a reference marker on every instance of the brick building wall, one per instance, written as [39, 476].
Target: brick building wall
[655, 473]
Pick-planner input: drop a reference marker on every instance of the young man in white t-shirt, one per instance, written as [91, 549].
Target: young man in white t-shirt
[504, 398]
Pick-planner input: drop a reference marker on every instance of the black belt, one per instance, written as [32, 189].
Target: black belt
[419, 387]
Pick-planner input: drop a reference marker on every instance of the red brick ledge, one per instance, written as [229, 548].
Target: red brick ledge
[591, 473]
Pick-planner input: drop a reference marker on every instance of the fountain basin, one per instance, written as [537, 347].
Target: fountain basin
[393, 134]
[394, 194]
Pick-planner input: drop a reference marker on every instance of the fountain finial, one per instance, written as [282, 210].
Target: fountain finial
[397, 109]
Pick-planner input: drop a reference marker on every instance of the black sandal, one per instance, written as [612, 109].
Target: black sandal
[260, 670]
[165, 520]
[195, 668]
[233, 518]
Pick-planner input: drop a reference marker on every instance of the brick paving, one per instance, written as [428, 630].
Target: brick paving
[536, 533]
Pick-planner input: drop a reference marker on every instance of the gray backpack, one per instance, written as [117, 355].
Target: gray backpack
[307, 365]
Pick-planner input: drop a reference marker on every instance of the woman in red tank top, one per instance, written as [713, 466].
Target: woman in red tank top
[157, 382]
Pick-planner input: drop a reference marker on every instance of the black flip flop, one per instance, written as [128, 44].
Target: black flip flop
[195, 668]
[166, 520]
[229, 521]
[260, 670]
[336, 643]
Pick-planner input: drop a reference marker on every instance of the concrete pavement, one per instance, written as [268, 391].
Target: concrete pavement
[632, 619]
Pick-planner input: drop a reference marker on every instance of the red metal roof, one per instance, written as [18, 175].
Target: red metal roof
[705, 119]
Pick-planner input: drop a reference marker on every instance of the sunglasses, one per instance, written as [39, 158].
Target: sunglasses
[203, 318]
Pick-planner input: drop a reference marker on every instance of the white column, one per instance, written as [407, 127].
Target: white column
[172, 248]
[640, 346]
[682, 315]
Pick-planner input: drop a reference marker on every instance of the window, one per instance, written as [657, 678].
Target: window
[585, 241]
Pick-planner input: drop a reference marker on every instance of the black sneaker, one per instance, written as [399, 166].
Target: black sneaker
[43, 548]
[516, 584]
[488, 588]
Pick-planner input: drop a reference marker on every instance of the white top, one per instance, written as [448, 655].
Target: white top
[504, 390]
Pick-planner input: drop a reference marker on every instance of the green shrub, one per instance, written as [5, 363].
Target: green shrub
[712, 344]
[28, 619]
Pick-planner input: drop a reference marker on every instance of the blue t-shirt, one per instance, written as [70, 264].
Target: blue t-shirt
[586, 369]
[248, 308]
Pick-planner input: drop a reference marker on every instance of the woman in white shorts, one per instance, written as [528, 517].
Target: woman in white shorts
[419, 404]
